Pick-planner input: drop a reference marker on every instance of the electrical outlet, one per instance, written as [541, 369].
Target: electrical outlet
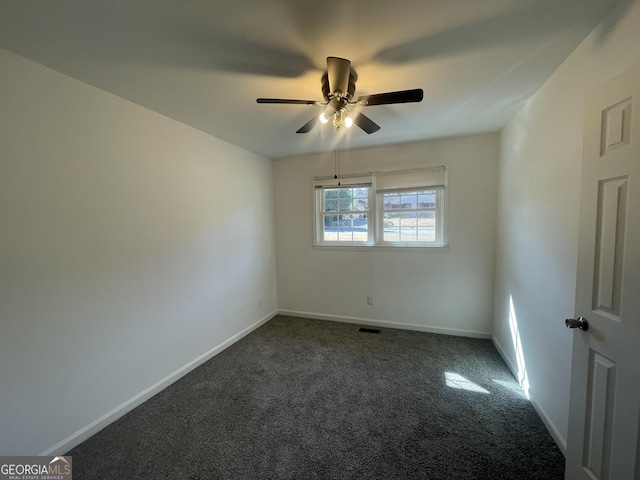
[369, 299]
[259, 303]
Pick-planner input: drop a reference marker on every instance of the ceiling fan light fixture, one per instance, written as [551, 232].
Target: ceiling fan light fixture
[348, 121]
[338, 84]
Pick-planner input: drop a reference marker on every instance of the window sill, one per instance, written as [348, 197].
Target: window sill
[382, 248]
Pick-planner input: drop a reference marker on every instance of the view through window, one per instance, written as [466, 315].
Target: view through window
[397, 208]
[410, 217]
[346, 214]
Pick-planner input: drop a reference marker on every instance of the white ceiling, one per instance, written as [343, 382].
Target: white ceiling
[204, 63]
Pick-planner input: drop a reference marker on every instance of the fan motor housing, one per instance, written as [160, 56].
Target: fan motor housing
[351, 89]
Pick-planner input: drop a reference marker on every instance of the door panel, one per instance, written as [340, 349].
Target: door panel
[599, 420]
[609, 255]
[604, 417]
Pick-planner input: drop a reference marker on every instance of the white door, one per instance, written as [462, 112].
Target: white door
[604, 419]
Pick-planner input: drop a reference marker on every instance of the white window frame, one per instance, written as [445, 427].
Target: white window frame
[439, 218]
[322, 184]
[379, 183]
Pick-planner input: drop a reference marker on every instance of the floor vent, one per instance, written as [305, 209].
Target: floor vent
[369, 330]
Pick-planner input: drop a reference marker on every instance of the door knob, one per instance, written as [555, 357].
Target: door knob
[580, 323]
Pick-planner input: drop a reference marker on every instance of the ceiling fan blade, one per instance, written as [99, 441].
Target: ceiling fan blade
[403, 96]
[288, 102]
[306, 128]
[365, 123]
[338, 70]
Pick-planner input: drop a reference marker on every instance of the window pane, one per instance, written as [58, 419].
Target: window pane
[331, 205]
[392, 235]
[427, 234]
[330, 236]
[408, 219]
[391, 201]
[391, 220]
[360, 193]
[330, 221]
[353, 228]
[345, 228]
[360, 204]
[408, 234]
[360, 228]
[331, 193]
[330, 228]
[346, 205]
[409, 201]
[426, 200]
[390, 227]
[427, 219]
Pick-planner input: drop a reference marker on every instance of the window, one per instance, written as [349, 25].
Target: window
[400, 208]
[343, 211]
[411, 217]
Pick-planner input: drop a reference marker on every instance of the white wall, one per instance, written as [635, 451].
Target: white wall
[538, 207]
[131, 245]
[444, 290]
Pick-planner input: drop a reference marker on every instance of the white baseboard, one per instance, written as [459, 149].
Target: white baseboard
[94, 427]
[551, 427]
[386, 324]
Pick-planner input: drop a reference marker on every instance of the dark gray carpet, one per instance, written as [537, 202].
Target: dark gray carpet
[309, 399]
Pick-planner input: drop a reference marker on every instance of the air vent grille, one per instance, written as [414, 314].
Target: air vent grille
[369, 330]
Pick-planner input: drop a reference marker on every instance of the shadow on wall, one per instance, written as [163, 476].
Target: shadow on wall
[608, 25]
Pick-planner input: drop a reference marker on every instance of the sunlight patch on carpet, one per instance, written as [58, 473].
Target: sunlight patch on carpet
[455, 380]
[514, 387]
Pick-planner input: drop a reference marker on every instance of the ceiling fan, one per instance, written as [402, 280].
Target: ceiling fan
[338, 87]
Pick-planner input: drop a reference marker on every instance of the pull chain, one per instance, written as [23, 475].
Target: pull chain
[336, 162]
